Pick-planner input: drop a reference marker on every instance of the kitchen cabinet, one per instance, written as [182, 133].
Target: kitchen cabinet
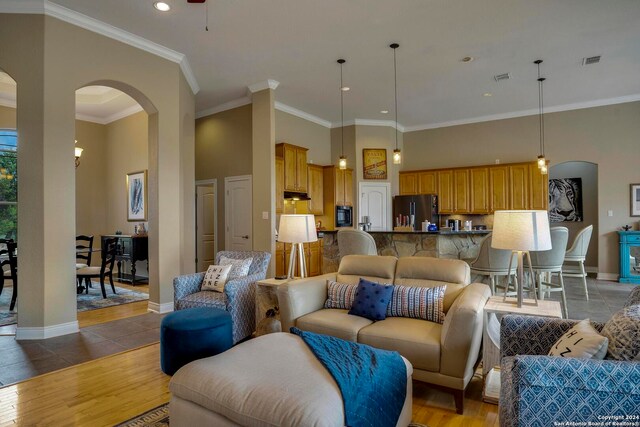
[295, 167]
[427, 182]
[312, 254]
[479, 191]
[279, 185]
[315, 189]
[348, 187]
[337, 191]
[445, 192]
[499, 187]
[539, 189]
[408, 183]
[280, 263]
[519, 186]
[461, 191]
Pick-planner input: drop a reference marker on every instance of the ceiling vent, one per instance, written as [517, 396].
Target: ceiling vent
[500, 77]
[591, 60]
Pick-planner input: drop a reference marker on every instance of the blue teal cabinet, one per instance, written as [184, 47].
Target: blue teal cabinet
[629, 257]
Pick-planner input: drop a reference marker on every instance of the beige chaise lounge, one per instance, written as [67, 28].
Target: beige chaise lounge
[444, 355]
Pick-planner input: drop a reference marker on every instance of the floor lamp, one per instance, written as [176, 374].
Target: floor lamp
[521, 232]
[297, 230]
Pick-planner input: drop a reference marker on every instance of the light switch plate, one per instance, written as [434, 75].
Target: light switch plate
[265, 215]
[610, 212]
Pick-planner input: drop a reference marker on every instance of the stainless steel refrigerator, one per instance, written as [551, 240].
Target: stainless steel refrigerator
[423, 207]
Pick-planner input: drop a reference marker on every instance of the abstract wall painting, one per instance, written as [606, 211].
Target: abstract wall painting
[137, 196]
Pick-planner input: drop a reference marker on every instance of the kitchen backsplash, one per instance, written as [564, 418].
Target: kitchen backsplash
[475, 219]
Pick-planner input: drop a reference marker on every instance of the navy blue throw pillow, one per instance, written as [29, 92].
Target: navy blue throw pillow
[371, 300]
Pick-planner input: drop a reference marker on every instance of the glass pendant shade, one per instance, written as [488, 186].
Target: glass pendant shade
[397, 157]
[342, 163]
[544, 169]
[541, 161]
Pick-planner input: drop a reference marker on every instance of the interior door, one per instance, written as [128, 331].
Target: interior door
[205, 226]
[238, 221]
[375, 202]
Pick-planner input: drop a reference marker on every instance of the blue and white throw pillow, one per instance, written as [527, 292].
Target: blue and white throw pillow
[215, 278]
[340, 295]
[371, 300]
[418, 302]
[239, 267]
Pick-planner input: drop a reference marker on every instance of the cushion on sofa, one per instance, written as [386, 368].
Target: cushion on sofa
[334, 322]
[340, 295]
[623, 332]
[419, 302]
[376, 268]
[415, 339]
[431, 272]
[372, 300]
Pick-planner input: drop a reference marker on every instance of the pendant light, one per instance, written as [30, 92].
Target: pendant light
[397, 155]
[542, 161]
[342, 163]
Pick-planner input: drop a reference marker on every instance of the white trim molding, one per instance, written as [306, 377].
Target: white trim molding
[302, 114]
[88, 23]
[166, 307]
[266, 84]
[245, 100]
[44, 332]
[369, 122]
[608, 276]
[112, 118]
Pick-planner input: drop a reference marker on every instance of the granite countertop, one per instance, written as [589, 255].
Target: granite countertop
[443, 232]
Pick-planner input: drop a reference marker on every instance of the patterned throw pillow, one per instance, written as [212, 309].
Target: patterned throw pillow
[340, 295]
[581, 341]
[418, 302]
[239, 267]
[623, 331]
[215, 278]
[371, 300]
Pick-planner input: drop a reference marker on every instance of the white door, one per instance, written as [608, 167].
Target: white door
[205, 226]
[375, 202]
[238, 218]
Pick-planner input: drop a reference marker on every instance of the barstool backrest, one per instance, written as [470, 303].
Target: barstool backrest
[554, 257]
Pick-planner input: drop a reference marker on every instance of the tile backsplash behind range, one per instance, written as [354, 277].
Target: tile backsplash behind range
[476, 220]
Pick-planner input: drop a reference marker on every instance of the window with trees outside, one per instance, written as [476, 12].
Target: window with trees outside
[8, 184]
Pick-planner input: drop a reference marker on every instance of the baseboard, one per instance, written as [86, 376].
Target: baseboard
[44, 332]
[608, 276]
[591, 269]
[166, 307]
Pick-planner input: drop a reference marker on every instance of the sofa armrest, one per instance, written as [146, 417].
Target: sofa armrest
[186, 285]
[532, 335]
[302, 296]
[462, 332]
[548, 389]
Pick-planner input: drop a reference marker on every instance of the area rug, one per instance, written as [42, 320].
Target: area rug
[91, 301]
[157, 417]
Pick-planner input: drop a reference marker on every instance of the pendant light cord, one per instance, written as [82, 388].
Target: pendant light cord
[395, 90]
[341, 111]
[541, 108]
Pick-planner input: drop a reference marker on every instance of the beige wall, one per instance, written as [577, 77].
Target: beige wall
[48, 75]
[223, 148]
[7, 117]
[304, 133]
[607, 136]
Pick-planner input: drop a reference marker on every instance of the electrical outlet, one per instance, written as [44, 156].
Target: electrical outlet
[265, 215]
[497, 161]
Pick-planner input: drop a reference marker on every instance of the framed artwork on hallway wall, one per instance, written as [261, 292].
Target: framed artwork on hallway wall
[565, 200]
[137, 196]
[374, 163]
[635, 199]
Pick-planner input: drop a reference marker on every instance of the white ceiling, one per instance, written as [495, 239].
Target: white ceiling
[297, 42]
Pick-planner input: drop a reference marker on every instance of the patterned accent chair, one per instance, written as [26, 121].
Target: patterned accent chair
[238, 297]
[538, 390]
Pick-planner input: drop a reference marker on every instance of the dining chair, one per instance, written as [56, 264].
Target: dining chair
[355, 242]
[105, 269]
[84, 248]
[494, 263]
[578, 253]
[8, 259]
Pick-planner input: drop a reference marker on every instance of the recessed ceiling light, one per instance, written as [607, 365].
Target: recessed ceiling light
[487, 94]
[467, 59]
[162, 6]
[384, 111]
[345, 88]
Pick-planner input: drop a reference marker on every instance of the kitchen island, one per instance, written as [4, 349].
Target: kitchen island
[438, 244]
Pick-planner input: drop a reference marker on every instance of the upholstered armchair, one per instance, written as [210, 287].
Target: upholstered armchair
[540, 390]
[238, 297]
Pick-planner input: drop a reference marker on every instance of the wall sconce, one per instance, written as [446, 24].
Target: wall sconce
[78, 154]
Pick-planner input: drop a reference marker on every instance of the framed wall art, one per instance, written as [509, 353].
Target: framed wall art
[565, 200]
[635, 199]
[137, 196]
[374, 163]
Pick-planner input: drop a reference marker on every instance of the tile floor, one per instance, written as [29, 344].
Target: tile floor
[20, 360]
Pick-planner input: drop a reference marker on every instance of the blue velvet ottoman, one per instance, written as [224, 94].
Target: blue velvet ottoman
[194, 333]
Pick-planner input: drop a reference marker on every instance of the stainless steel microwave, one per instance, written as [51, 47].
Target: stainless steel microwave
[344, 216]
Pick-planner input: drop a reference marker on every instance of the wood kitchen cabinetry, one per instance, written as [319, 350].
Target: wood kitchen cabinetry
[313, 258]
[279, 185]
[295, 166]
[315, 182]
[337, 191]
[482, 189]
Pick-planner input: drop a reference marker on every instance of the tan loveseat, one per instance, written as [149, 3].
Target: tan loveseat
[444, 355]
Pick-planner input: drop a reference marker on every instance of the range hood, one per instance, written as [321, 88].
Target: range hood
[290, 195]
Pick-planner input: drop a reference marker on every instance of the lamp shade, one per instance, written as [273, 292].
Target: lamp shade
[297, 229]
[521, 231]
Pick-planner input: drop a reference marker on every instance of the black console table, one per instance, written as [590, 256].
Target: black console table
[130, 249]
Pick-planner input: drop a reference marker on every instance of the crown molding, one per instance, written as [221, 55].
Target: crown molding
[83, 21]
[302, 114]
[370, 122]
[124, 113]
[6, 101]
[224, 107]
[266, 84]
[532, 112]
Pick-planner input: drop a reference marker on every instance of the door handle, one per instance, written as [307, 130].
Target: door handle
[245, 237]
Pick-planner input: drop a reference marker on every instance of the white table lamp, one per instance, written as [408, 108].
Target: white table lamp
[521, 232]
[297, 230]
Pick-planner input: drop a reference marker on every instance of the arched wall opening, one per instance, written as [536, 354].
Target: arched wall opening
[573, 202]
